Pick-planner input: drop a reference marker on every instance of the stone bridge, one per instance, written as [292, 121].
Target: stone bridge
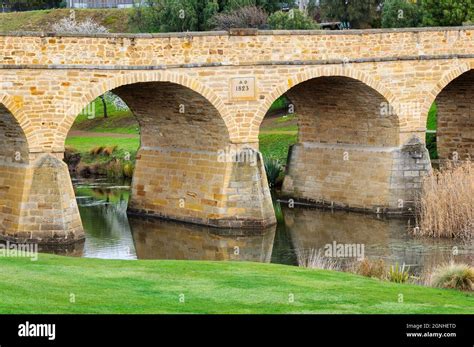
[362, 99]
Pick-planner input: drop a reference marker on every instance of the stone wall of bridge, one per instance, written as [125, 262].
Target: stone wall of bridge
[338, 81]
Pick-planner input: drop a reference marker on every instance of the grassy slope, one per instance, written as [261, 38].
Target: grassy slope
[275, 136]
[116, 20]
[154, 286]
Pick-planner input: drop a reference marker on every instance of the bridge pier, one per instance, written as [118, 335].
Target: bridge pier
[202, 187]
[377, 179]
[187, 168]
[41, 205]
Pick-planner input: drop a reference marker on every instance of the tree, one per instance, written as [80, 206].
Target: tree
[29, 5]
[244, 17]
[294, 19]
[175, 15]
[111, 98]
[447, 12]
[400, 14]
[313, 10]
[269, 6]
[358, 13]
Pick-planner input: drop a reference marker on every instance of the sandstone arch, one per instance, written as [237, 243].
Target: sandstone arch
[454, 98]
[349, 152]
[126, 79]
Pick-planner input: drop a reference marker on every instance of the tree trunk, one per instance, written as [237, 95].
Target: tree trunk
[105, 106]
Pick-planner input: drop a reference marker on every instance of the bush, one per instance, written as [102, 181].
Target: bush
[174, 15]
[292, 20]
[446, 12]
[400, 14]
[398, 274]
[455, 276]
[273, 169]
[128, 170]
[71, 26]
[96, 150]
[371, 268]
[109, 150]
[445, 205]
[244, 17]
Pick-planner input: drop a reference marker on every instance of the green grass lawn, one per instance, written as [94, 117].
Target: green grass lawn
[276, 145]
[155, 286]
[116, 20]
[85, 144]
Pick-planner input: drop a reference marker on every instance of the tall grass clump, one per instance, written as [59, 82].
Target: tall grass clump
[398, 274]
[445, 205]
[455, 276]
[370, 268]
[273, 169]
[314, 259]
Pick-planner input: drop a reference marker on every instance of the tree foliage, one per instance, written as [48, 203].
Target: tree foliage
[294, 19]
[175, 15]
[400, 14]
[195, 15]
[29, 5]
[244, 17]
[447, 12]
[358, 13]
[269, 6]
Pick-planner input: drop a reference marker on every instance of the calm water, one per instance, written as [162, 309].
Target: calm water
[110, 233]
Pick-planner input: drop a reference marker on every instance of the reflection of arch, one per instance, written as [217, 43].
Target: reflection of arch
[333, 71]
[132, 78]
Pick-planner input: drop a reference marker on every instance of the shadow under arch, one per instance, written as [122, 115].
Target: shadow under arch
[133, 78]
[14, 160]
[453, 97]
[313, 73]
[348, 152]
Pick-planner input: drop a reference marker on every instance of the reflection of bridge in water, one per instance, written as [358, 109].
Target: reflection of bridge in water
[385, 238]
[158, 239]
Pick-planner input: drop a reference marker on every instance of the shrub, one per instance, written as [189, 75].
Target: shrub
[114, 169]
[96, 150]
[72, 158]
[445, 206]
[128, 170]
[314, 259]
[71, 26]
[400, 14]
[244, 17]
[273, 169]
[455, 276]
[398, 274]
[109, 150]
[371, 268]
[292, 20]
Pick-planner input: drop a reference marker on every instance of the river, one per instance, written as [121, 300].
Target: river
[111, 234]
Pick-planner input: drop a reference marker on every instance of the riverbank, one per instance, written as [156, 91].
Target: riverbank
[120, 133]
[57, 284]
